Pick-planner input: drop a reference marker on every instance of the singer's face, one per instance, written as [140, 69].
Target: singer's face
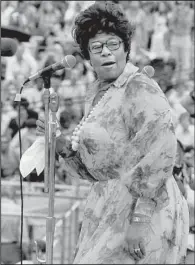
[109, 63]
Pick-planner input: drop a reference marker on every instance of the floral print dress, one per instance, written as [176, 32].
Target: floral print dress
[127, 150]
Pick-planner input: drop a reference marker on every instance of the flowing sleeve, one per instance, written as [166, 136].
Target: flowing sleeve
[72, 159]
[151, 144]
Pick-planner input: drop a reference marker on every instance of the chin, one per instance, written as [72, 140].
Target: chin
[111, 76]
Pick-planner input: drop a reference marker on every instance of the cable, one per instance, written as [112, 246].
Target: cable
[18, 99]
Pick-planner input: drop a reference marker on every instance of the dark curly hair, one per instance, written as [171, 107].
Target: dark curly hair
[102, 16]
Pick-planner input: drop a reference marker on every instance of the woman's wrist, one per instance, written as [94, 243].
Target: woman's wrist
[142, 211]
[140, 219]
[144, 208]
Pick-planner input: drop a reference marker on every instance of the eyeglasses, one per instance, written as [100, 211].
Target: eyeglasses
[112, 45]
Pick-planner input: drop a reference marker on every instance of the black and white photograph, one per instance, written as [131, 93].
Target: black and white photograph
[97, 132]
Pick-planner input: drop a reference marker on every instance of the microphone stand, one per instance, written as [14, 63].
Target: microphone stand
[51, 102]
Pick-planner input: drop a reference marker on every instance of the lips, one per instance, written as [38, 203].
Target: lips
[108, 63]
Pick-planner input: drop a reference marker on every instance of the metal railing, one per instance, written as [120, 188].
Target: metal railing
[66, 235]
[69, 209]
[66, 231]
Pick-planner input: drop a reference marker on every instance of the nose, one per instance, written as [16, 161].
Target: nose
[105, 51]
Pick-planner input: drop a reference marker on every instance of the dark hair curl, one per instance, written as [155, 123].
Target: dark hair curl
[102, 16]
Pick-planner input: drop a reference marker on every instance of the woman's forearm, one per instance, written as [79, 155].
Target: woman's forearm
[142, 210]
[72, 158]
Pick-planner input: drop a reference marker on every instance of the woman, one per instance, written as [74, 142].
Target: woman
[126, 146]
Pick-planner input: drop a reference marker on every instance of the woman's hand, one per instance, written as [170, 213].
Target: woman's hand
[63, 146]
[137, 235]
[40, 130]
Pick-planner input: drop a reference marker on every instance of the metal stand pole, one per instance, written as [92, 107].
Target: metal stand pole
[50, 225]
[50, 102]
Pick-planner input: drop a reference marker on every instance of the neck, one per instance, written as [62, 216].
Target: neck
[103, 84]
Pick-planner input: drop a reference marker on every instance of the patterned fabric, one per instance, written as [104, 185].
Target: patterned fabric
[127, 150]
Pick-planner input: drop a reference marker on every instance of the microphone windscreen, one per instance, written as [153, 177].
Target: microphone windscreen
[8, 47]
[149, 70]
[70, 60]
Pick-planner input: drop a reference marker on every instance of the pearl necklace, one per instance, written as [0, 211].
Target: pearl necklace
[77, 131]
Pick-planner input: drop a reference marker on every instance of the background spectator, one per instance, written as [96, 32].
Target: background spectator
[34, 95]
[181, 23]
[25, 113]
[21, 65]
[185, 130]
[28, 135]
[9, 158]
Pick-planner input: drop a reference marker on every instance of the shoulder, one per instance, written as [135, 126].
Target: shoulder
[143, 91]
[142, 82]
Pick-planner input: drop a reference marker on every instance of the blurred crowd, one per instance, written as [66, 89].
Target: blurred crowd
[163, 38]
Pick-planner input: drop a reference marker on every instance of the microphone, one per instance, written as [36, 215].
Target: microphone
[8, 47]
[148, 70]
[69, 61]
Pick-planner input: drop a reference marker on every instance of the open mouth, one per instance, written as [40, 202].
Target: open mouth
[108, 63]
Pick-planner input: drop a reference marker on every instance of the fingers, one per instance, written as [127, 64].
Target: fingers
[142, 248]
[38, 133]
[40, 123]
[133, 254]
[40, 130]
[137, 251]
[42, 117]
